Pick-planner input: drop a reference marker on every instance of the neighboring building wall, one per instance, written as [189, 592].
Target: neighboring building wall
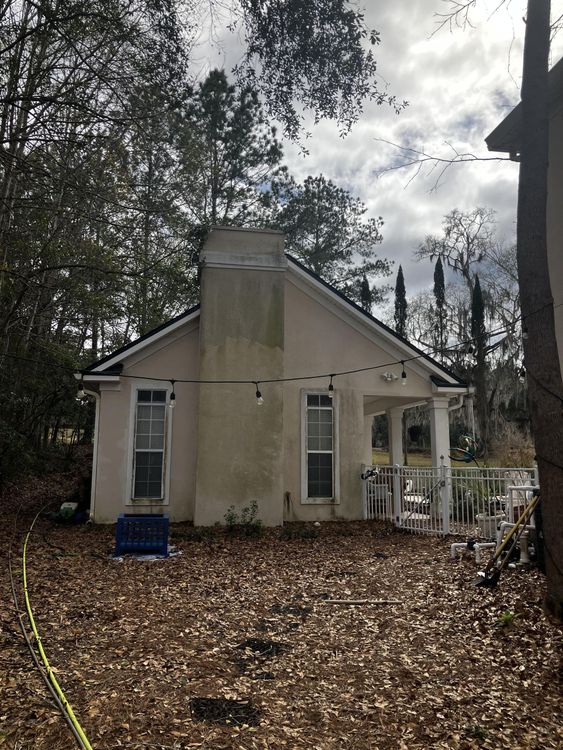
[240, 444]
[555, 224]
[175, 356]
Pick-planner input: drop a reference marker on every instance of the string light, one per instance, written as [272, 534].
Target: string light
[331, 388]
[522, 374]
[463, 346]
[172, 402]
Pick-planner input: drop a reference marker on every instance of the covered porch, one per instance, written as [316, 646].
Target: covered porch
[465, 499]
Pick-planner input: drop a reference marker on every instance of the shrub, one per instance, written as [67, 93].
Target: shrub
[246, 524]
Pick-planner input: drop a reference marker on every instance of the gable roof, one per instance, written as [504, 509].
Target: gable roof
[112, 363]
[507, 136]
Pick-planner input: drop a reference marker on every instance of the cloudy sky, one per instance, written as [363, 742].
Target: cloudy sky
[460, 83]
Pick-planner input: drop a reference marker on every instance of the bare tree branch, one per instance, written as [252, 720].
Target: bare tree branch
[415, 158]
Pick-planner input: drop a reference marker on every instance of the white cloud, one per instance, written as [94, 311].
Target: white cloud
[459, 84]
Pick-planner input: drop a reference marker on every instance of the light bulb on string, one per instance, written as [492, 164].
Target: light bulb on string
[403, 375]
[259, 399]
[522, 374]
[524, 332]
[172, 401]
[331, 388]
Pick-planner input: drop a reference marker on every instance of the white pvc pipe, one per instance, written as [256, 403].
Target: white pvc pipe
[96, 395]
[524, 551]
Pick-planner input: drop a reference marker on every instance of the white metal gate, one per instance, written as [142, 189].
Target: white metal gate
[469, 501]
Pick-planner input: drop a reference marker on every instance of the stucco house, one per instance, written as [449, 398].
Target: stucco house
[257, 415]
[506, 138]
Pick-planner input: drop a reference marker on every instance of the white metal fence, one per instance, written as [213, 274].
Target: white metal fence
[467, 501]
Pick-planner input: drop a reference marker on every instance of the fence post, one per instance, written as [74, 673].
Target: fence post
[397, 499]
[445, 492]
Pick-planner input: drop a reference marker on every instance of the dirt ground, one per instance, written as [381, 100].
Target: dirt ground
[161, 654]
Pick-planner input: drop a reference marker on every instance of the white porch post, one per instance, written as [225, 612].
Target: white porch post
[367, 453]
[395, 425]
[440, 444]
[439, 431]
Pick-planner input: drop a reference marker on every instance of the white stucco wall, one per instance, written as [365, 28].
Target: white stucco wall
[324, 340]
[176, 356]
[259, 320]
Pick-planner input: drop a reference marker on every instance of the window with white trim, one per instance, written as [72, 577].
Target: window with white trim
[319, 446]
[149, 446]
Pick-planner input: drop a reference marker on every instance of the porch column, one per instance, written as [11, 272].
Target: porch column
[395, 426]
[439, 431]
[367, 451]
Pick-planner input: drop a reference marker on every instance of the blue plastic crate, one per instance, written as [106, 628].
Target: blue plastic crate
[142, 533]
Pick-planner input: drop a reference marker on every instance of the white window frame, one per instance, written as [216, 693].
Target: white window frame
[149, 385]
[305, 499]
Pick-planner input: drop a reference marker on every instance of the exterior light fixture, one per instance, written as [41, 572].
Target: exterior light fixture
[389, 377]
[259, 399]
[331, 388]
[172, 401]
[403, 375]
[81, 392]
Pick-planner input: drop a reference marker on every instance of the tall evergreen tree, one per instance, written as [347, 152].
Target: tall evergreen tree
[479, 335]
[440, 298]
[400, 304]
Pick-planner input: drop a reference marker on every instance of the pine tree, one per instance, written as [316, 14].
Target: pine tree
[400, 304]
[328, 230]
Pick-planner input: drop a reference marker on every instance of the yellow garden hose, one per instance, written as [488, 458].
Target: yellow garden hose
[52, 678]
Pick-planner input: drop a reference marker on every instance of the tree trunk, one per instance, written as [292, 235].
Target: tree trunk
[545, 388]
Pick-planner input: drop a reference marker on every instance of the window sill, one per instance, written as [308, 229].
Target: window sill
[146, 501]
[319, 501]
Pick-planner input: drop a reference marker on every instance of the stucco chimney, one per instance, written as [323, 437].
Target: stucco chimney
[240, 444]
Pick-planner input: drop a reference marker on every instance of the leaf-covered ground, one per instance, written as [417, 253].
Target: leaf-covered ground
[138, 645]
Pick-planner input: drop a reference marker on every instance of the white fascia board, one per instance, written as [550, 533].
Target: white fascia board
[450, 389]
[92, 378]
[467, 390]
[148, 341]
[376, 333]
